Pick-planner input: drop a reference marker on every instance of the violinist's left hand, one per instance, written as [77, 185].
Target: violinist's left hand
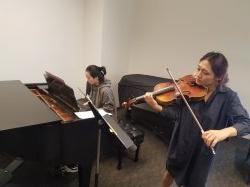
[212, 137]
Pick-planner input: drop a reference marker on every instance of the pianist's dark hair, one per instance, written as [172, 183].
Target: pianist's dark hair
[96, 71]
[219, 65]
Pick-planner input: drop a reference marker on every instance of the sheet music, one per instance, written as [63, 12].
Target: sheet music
[89, 114]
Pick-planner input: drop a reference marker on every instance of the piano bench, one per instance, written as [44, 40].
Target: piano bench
[137, 135]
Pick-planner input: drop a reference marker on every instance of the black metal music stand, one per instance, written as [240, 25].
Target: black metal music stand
[112, 124]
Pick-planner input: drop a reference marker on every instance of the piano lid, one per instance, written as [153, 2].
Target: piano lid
[20, 108]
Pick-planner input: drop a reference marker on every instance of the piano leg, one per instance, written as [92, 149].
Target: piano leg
[84, 173]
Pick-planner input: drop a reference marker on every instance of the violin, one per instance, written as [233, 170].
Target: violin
[185, 87]
[166, 93]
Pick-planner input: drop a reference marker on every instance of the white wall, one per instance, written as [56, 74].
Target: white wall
[63, 37]
[117, 20]
[92, 38]
[176, 34]
[93, 31]
[126, 36]
[41, 35]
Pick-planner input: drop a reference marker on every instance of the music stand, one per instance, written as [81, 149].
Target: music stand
[112, 124]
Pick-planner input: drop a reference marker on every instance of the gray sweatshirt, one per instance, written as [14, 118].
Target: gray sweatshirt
[102, 96]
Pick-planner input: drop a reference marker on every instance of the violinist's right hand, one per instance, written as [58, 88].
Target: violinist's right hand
[152, 102]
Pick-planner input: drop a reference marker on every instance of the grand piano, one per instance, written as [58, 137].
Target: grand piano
[39, 126]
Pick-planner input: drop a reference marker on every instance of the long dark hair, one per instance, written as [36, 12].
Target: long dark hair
[219, 65]
[96, 71]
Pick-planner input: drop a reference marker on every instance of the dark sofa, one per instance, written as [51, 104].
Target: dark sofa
[135, 85]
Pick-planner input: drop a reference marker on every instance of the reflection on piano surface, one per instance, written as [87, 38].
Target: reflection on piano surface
[53, 104]
[45, 131]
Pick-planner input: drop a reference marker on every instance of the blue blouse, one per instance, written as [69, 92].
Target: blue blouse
[188, 156]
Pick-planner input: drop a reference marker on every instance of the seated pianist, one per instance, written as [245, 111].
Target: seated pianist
[100, 92]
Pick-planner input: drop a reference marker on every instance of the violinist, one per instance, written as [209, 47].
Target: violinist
[221, 115]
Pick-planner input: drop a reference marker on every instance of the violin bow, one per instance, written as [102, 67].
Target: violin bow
[188, 106]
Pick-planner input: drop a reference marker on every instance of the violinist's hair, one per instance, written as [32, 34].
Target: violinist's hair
[219, 65]
[96, 71]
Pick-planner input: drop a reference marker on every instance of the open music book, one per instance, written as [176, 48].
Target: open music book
[59, 89]
[89, 114]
